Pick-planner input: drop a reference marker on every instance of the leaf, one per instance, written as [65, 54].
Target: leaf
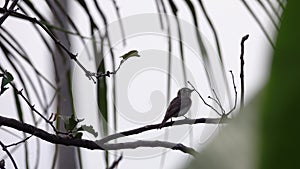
[6, 79]
[90, 129]
[129, 54]
[78, 135]
[102, 91]
[279, 143]
[18, 106]
[71, 123]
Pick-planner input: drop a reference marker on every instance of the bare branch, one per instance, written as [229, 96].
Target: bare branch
[142, 143]
[242, 71]
[235, 94]
[89, 74]
[9, 11]
[115, 163]
[204, 100]
[155, 126]
[19, 142]
[217, 100]
[99, 145]
[8, 153]
[31, 106]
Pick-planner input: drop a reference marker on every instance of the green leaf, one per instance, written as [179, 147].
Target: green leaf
[90, 129]
[280, 143]
[102, 91]
[129, 54]
[6, 79]
[71, 123]
[78, 135]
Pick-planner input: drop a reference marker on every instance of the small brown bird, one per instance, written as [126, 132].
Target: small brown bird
[179, 106]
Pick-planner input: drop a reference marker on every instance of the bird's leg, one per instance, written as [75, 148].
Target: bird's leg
[185, 117]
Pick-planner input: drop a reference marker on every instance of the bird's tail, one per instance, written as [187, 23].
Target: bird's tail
[162, 123]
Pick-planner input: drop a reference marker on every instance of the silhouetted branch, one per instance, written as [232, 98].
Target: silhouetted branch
[204, 100]
[4, 148]
[142, 143]
[217, 101]
[235, 93]
[116, 162]
[98, 145]
[32, 107]
[9, 11]
[19, 142]
[89, 74]
[242, 71]
[168, 124]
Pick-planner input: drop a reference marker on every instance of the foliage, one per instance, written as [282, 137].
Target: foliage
[6, 79]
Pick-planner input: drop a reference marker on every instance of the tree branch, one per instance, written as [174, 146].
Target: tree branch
[90, 75]
[155, 126]
[242, 70]
[8, 12]
[9, 155]
[116, 162]
[100, 144]
[142, 143]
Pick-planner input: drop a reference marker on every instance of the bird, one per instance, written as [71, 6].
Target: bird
[179, 106]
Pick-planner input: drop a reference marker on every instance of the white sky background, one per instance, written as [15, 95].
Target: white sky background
[232, 21]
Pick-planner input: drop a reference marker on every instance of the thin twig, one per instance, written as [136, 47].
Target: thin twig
[116, 162]
[72, 56]
[6, 4]
[9, 155]
[204, 100]
[8, 11]
[19, 142]
[242, 71]
[217, 101]
[31, 106]
[235, 94]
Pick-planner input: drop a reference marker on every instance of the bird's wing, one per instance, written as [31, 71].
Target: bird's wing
[173, 108]
[177, 107]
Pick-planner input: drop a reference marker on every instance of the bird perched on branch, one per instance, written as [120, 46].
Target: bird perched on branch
[179, 106]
